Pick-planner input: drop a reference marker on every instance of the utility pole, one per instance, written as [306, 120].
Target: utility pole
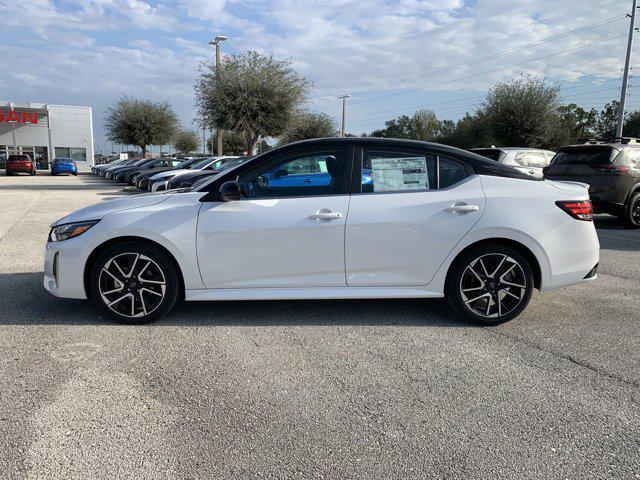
[216, 41]
[627, 63]
[344, 112]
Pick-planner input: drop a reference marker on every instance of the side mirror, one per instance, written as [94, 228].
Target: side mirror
[230, 191]
[283, 172]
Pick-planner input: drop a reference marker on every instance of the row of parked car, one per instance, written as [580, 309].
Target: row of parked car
[159, 174]
[610, 168]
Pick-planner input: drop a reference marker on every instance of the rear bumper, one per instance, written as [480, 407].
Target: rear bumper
[573, 250]
[20, 168]
[601, 205]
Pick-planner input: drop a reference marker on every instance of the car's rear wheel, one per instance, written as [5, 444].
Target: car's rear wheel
[134, 282]
[631, 216]
[490, 285]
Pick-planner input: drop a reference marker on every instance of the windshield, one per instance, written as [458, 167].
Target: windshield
[200, 164]
[584, 156]
[187, 163]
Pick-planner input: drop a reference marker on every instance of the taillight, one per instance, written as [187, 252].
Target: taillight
[578, 209]
[611, 168]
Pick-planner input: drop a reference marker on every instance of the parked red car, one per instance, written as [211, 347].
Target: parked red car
[20, 164]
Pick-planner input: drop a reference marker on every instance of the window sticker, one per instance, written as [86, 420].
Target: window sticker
[398, 174]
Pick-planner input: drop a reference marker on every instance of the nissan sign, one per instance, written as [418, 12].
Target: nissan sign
[13, 116]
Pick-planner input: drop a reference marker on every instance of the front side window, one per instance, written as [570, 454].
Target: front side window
[317, 173]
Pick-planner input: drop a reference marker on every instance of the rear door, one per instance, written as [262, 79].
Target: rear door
[407, 216]
[583, 163]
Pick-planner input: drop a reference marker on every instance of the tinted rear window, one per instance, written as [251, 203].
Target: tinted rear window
[492, 153]
[19, 157]
[584, 156]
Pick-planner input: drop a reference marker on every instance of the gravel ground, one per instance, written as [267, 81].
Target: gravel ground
[315, 389]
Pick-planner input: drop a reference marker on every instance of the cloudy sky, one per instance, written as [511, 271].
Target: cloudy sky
[392, 56]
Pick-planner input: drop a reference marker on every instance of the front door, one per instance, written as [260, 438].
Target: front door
[277, 235]
[414, 208]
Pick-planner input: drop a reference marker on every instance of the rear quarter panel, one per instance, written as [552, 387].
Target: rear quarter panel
[525, 211]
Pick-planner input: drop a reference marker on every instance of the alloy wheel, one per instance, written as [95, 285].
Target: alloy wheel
[493, 285]
[635, 212]
[132, 285]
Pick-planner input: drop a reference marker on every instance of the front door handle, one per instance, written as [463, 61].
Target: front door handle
[461, 207]
[325, 214]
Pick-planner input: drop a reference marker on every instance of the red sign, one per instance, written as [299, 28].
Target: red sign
[18, 117]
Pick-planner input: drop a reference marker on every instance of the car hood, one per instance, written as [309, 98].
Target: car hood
[99, 210]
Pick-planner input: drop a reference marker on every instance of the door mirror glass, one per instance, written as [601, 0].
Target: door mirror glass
[230, 191]
[283, 172]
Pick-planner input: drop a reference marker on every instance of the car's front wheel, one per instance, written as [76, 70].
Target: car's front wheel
[134, 282]
[490, 285]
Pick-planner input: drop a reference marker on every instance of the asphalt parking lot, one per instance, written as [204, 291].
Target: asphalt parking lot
[317, 389]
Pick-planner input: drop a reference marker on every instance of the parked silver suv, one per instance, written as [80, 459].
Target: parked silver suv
[528, 160]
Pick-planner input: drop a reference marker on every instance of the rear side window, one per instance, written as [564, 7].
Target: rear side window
[585, 156]
[451, 172]
[397, 171]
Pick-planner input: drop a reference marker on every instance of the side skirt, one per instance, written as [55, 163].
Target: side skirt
[311, 293]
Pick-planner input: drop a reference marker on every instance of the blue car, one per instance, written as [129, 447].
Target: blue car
[64, 165]
[308, 172]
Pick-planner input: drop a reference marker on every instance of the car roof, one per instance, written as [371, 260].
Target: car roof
[477, 162]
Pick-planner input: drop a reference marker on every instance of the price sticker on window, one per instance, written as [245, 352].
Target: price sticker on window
[399, 174]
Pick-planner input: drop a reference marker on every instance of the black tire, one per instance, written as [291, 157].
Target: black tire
[631, 216]
[489, 288]
[75, 174]
[160, 269]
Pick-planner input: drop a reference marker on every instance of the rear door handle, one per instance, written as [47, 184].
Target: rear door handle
[325, 214]
[460, 207]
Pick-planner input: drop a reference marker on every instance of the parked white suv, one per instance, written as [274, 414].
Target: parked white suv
[527, 160]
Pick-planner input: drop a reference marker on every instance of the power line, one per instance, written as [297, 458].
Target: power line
[496, 55]
[489, 57]
[492, 70]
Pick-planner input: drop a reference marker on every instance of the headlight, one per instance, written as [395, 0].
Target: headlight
[70, 230]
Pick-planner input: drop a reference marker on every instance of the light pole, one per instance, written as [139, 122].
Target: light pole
[344, 112]
[216, 41]
[625, 78]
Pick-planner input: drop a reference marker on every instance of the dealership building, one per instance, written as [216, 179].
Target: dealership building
[45, 132]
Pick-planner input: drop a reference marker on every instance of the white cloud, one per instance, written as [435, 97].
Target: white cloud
[91, 51]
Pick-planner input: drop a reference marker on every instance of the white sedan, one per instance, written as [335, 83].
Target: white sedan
[333, 218]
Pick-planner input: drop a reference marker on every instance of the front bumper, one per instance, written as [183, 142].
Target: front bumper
[62, 263]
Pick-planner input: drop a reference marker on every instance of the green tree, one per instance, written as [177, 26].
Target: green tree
[574, 123]
[522, 112]
[250, 93]
[470, 131]
[232, 143]
[140, 122]
[607, 120]
[306, 125]
[422, 125]
[186, 141]
[632, 125]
